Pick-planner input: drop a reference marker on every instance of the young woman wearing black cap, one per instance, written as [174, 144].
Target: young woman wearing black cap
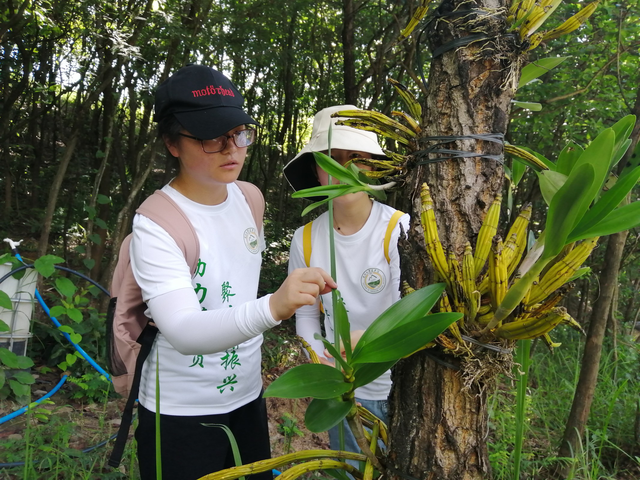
[207, 352]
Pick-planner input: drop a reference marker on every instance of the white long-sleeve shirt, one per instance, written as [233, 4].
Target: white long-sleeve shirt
[208, 348]
[367, 282]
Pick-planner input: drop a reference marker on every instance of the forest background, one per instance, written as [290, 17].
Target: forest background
[78, 148]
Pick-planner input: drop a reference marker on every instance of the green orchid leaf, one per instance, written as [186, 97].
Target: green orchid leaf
[336, 193]
[333, 351]
[632, 162]
[366, 373]
[550, 182]
[609, 201]
[336, 170]
[568, 157]
[622, 129]
[45, 264]
[538, 68]
[619, 153]
[533, 106]
[3, 326]
[567, 207]
[322, 414]
[413, 306]
[330, 191]
[581, 272]
[405, 339]
[309, 380]
[342, 319]
[517, 172]
[621, 219]
[598, 155]
[5, 301]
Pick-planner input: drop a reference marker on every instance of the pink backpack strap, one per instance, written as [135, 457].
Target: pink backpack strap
[160, 208]
[255, 199]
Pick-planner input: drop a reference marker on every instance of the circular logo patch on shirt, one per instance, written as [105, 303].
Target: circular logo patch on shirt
[373, 280]
[251, 240]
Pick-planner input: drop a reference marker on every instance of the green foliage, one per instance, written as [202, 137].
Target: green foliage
[352, 182]
[399, 331]
[15, 380]
[606, 446]
[289, 429]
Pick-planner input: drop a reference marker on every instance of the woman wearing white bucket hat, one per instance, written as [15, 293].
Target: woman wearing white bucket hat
[368, 269]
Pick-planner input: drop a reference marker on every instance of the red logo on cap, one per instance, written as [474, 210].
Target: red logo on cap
[211, 90]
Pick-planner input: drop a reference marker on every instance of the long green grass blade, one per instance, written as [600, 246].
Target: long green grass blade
[157, 419]
[309, 380]
[237, 458]
[522, 374]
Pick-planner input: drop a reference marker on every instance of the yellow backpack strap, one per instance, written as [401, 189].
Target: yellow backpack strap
[306, 243]
[387, 236]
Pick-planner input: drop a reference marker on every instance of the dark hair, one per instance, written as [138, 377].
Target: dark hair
[168, 130]
[169, 127]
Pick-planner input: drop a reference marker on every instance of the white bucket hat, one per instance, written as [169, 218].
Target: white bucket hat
[300, 172]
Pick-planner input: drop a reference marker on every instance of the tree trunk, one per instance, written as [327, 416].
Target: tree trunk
[438, 427]
[348, 52]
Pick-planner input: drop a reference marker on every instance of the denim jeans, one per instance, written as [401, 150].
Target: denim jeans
[380, 408]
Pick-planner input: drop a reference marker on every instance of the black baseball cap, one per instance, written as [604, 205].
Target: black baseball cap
[205, 102]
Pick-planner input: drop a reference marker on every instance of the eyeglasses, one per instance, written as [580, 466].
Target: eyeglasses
[242, 138]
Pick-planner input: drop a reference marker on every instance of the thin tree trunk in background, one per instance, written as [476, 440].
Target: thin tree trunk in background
[613, 326]
[56, 185]
[584, 301]
[592, 351]
[629, 311]
[348, 52]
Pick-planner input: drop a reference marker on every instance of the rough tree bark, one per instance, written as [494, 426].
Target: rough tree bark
[438, 428]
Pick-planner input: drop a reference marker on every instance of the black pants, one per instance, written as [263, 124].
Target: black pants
[191, 450]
